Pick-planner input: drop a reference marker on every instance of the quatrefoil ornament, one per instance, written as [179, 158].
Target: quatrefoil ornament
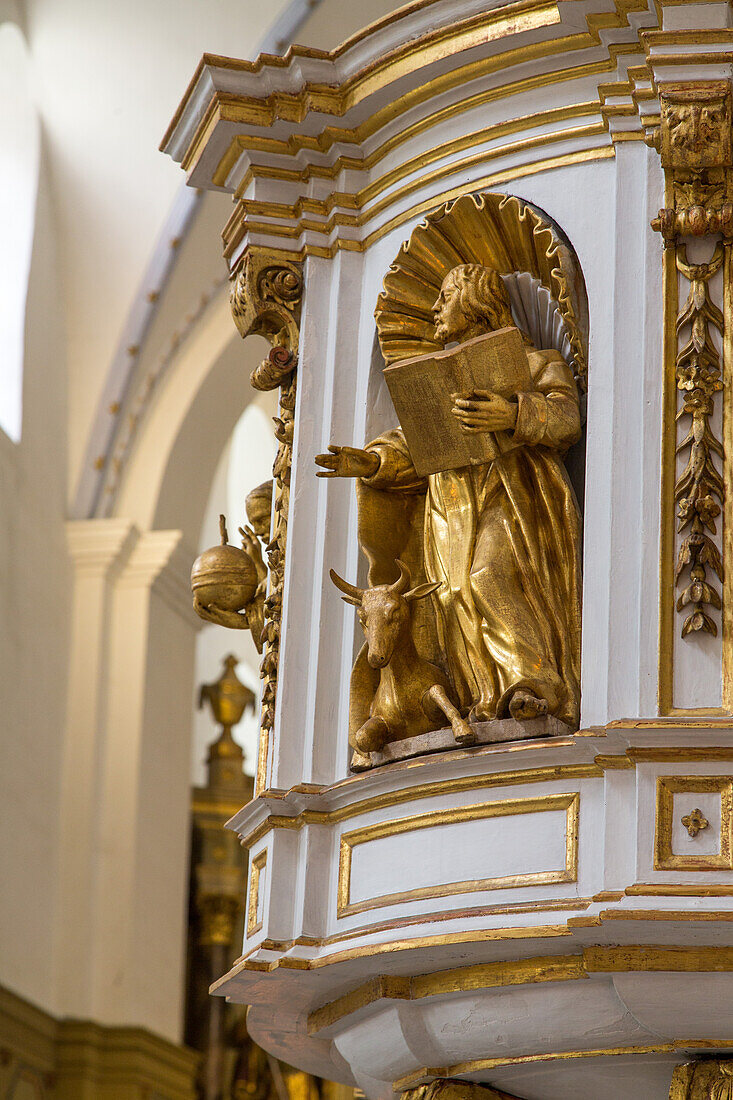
[695, 822]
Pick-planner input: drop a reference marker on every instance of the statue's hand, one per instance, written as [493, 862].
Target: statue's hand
[251, 546]
[483, 411]
[347, 462]
[235, 620]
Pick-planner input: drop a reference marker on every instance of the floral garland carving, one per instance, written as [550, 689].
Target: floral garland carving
[266, 299]
[699, 490]
[694, 141]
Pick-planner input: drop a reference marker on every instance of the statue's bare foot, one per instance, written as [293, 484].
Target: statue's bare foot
[360, 761]
[463, 733]
[525, 705]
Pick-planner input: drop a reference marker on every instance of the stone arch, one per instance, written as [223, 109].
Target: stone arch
[171, 463]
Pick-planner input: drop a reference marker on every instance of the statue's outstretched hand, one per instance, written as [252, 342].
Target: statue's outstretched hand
[347, 462]
[483, 411]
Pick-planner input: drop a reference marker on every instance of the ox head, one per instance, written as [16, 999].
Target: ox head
[384, 611]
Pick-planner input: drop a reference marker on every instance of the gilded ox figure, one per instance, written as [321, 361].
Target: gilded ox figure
[412, 696]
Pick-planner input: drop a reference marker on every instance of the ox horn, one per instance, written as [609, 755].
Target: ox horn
[403, 581]
[352, 594]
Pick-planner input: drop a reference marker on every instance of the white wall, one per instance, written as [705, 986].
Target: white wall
[108, 78]
[34, 611]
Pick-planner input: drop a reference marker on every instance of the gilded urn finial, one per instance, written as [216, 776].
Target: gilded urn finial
[228, 699]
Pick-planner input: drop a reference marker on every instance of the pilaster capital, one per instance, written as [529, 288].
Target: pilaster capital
[693, 45]
[161, 563]
[100, 547]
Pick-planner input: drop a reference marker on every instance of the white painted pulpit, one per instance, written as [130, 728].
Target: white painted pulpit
[549, 916]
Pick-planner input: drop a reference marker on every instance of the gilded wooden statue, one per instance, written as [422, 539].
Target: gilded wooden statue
[494, 545]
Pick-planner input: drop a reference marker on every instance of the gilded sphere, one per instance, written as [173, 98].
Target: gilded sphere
[224, 577]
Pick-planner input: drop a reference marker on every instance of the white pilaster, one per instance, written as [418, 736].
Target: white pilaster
[126, 777]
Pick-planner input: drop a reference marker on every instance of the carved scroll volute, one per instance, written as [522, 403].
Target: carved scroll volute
[694, 141]
[265, 299]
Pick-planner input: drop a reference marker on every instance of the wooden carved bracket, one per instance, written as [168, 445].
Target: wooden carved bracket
[694, 140]
[265, 299]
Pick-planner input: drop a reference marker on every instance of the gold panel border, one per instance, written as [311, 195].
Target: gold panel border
[570, 803]
[253, 904]
[669, 785]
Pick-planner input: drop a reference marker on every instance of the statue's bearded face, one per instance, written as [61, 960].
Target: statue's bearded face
[450, 320]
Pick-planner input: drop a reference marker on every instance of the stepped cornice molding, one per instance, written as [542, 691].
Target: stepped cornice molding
[330, 151]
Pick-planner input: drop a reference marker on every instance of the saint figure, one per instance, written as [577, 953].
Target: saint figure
[502, 537]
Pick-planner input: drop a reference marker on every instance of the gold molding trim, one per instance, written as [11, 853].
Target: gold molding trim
[511, 908]
[684, 721]
[547, 968]
[323, 142]
[663, 754]
[254, 920]
[667, 787]
[333, 207]
[482, 1064]
[570, 803]
[419, 52]
[559, 772]
[695, 915]
[238, 225]
[484, 935]
[542, 968]
[679, 890]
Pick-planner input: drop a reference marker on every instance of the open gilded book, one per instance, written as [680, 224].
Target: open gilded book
[421, 391]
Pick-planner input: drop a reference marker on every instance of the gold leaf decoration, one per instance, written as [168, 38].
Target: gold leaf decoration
[498, 231]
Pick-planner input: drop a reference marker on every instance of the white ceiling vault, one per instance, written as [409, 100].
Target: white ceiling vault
[107, 78]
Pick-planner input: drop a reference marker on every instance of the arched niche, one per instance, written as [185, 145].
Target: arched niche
[169, 471]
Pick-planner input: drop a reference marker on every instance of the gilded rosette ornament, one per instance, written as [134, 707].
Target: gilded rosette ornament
[266, 299]
[694, 140]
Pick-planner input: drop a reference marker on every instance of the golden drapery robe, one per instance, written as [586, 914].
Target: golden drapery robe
[504, 539]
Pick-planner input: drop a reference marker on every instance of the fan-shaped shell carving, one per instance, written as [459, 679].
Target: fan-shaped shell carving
[498, 231]
[537, 313]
